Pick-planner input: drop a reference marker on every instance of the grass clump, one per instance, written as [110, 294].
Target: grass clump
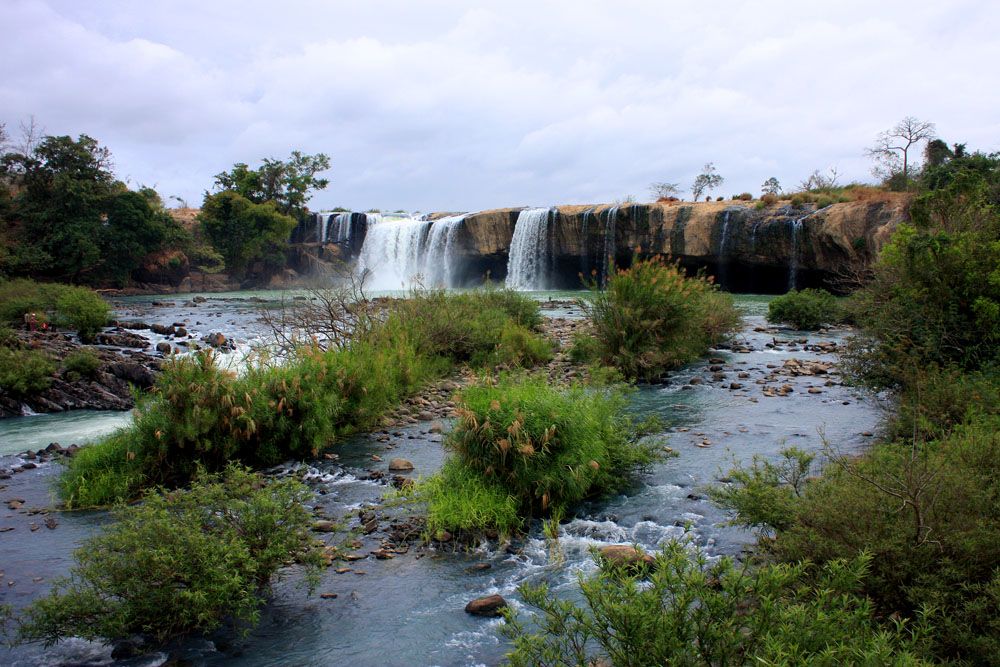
[806, 310]
[81, 364]
[533, 448]
[178, 563]
[690, 611]
[651, 318]
[25, 372]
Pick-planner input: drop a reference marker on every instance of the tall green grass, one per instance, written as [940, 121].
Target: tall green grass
[539, 450]
[200, 415]
[651, 318]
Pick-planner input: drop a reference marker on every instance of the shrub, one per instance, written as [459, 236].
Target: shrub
[584, 348]
[81, 309]
[927, 511]
[746, 196]
[82, 363]
[769, 199]
[25, 373]
[798, 200]
[651, 318]
[178, 563]
[719, 198]
[546, 448]
[462, 501]
[108, 472]
[695, 612]
[807, 309]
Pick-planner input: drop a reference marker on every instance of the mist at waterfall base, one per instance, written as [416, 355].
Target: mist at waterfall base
[398, 252]
[409, 610]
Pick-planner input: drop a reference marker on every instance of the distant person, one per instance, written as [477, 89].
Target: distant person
[30, 321]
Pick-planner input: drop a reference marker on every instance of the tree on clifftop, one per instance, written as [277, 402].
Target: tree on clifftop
[706, 181]
[245, 232]
[891, 150]
[287, 184]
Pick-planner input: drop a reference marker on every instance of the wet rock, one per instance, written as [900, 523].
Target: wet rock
[163, 348]
[400, 465]
[162, 329]
[489, 605]
[324, 526]
[623, 555]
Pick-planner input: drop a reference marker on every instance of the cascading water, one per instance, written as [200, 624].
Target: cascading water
[721, 256]
[322, 221]
[399, 253]
[793, 260]
[586, 219]
[529, 261]
[610, 249]
[342, 229]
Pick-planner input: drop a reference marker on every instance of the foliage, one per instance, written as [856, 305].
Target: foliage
[24, 372]
[83, 310]
[771, 186]
[70, 219]
[82, 363]
[544, 447]
[461, 501]
[891, 150]
[72, 307]
[178, 563]
[199, 414]
[807, 309]
[286, 184]
[651, 318]
[706, 181]
[696, 612]
[245, 232]
[664, 190]
[765, 494]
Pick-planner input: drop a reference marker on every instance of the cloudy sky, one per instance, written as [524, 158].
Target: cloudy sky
[439, 105]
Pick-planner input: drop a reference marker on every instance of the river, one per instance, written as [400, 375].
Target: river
[408, 610]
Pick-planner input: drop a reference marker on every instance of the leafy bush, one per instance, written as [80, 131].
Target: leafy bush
[695, 612]
[82, 363]
[546, 448]
[769, 199]
[928, 512]
[651, 318]
[462, 501]
[585, 348]
[83, 310]
[178, 563]
[746, 196]
[25, 372]
[807, 309]
[72, 307]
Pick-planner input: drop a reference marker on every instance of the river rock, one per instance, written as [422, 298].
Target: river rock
[163, 348]
[162, 329]
[400, 465]
[625, 556]
[489, 605]
[324, 526]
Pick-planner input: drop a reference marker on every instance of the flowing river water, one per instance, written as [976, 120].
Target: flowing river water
[408, 610]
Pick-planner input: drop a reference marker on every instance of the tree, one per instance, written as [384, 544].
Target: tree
[891, 150]
[664, 190]
[287, 184]
[245, 232]
[771, 186]
[820, 181]
[706, 181]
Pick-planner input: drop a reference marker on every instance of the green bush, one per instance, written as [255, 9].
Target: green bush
[178, 563]
[105, 473]
[545, 448]
[72, 307]
[82, 363]
[25, 373]
[81, 309]
[584, 348]
[462, 501]
[695, 612]
[929, 514]
[807, 309]
[651, 318]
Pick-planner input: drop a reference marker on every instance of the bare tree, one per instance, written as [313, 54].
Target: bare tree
[31, 136]
[664, 190]
[892, 147]
[706, 181]
[820, 181]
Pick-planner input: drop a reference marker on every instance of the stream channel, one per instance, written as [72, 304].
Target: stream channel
[408, 610]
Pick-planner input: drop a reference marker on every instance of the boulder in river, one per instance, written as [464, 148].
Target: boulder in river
[400, 465]
[623, 555]
[489, 605]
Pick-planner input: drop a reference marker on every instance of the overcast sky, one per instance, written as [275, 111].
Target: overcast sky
[438, 105]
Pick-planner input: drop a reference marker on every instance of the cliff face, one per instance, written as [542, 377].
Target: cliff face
[746, 248]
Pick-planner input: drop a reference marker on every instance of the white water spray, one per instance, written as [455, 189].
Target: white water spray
[528, 262]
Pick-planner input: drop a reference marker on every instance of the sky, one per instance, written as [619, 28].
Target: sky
[450, 106]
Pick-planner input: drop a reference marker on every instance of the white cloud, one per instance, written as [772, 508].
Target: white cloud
[434, 105]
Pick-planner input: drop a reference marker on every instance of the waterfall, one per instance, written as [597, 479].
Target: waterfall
[793, 260]
[529, 262]
[610, 243]
[342, 233]
[586, 218]
[322, 221]
[721, 257]
[399, 253]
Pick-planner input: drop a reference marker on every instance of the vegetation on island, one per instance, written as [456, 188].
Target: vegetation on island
[806, 310]
[524, 449]
[187, 561]
[202, 415]
[651, 318]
